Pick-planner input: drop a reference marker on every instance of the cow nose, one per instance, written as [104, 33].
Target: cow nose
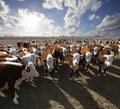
[27, 69]
[76, 63]
[37, 74]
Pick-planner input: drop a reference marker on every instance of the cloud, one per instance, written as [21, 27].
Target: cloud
[73, 16]
[4, 9]
[109, 25]
[6, 19]
[26, 22]
[0, 29]
[10, 21]
[70, 3]
[32, 23]
[49, 4]
[75, 10]
[110, 22]
[20, 0]
[93, 16]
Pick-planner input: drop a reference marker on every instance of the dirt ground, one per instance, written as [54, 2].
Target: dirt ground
[89, 92]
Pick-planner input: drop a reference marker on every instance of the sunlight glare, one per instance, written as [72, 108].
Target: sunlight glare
[31, 21]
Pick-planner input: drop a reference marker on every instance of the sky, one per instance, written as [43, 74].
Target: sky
[60, 18]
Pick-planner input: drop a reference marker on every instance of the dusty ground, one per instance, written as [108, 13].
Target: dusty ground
[89, 92]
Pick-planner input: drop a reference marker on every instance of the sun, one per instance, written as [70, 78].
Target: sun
[31, 21]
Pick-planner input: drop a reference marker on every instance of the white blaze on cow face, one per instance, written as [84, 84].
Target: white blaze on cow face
[13, 51]
[33, 70]
[50, 62]
[95, 51]
[30, 57]
[42, 48]
[78, 46]
[88, 56]
[35, 51]
[119, 48]
[34, 58]
[26, 59]
[109, 59]
[76, 59]
[72, 47]
[65, 51]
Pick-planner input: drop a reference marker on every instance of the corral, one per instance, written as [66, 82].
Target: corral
[88, 92]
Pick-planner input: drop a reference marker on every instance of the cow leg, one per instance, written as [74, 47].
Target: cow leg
[61, 59]
[11, 85]
[18, 82]
[104, 71]
[93, 60]
[87, 66]
[77, 74]
[56, 63]
[2, 84]
[15, 101]
[99, 71]
[52, 74]
[71, 74]
[83, 67]
[46, 71]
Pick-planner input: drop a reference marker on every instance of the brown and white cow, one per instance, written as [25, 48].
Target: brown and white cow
[47, 61]
[73, 59]
[31, 60]
[10, 72]
[105, 60]
[87, 55]
[115, 49]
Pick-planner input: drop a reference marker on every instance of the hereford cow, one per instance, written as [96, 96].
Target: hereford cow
[87, 55]
[47, 61]
[105, 60]
[73, 59]
[115, 49]
[9, 73]
[29, 59]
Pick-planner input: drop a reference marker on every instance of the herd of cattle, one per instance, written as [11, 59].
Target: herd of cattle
[19, 64]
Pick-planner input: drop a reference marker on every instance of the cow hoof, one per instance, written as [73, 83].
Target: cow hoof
[70, 78]
[76, 79]
[18, 88]
[15, 101]
[98, 75]
[104, 75]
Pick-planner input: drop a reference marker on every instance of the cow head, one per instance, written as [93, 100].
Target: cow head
[88, 56]
[50, 62]
[65, 52]
[33, 70]
[108, 59]
[95, 50]
[27, 61]
[76, 59]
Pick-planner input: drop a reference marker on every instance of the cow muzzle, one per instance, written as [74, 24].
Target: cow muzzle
[27, 68]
